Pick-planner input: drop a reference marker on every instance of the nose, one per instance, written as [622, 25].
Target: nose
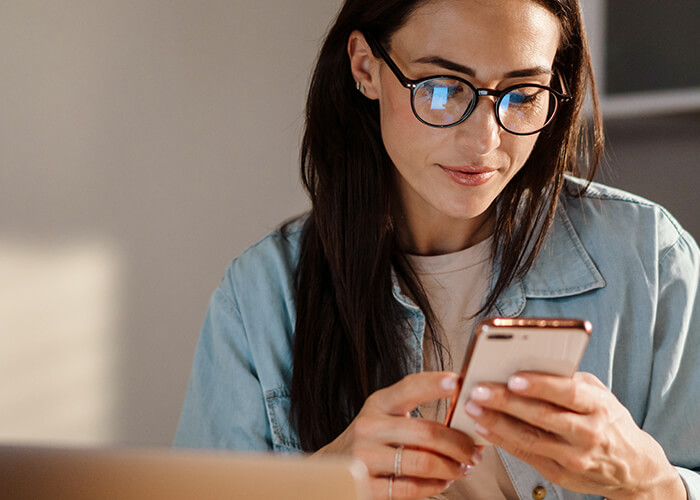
[480, 132]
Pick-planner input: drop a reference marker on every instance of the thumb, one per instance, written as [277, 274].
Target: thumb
[415, 389]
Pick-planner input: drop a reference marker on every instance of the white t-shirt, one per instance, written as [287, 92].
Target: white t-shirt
[456, 285]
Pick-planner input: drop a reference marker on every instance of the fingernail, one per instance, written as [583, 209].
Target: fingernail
[473, 409]
[476, 457]
[517, 383]
[480, 429]
[466, 469]
[481, 393]
[448, 383]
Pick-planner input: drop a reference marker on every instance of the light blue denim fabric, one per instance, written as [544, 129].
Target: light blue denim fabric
[615, 259]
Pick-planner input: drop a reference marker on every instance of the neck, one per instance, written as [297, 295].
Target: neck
[421, 234]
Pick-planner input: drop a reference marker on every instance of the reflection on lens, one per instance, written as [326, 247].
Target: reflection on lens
[442, 101]
[439, 98]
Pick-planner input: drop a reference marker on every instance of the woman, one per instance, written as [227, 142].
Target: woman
[437, 201]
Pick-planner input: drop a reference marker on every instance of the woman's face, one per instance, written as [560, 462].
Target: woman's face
[454, 174]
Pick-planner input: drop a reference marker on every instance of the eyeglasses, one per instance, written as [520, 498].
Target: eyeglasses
[446, 101]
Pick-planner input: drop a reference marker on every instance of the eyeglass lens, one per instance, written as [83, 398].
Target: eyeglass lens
[445, 101]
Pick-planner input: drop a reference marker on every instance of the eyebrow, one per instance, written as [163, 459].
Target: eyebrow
[453, 66]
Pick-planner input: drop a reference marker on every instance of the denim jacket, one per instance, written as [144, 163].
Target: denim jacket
[615, 259]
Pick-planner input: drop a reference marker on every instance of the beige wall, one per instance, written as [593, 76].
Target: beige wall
[143, 144]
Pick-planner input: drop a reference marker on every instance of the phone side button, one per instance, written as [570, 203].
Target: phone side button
[539, 493]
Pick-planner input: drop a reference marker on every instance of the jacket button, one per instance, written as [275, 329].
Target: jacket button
[539, 493]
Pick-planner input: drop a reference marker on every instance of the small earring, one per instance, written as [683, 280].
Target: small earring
[360, 87]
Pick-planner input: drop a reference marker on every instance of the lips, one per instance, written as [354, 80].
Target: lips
[469, 175]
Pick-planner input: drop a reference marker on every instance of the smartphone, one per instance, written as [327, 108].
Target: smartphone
[503, 346]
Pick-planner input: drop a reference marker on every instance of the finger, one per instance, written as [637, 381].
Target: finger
[536, 447]
[552, 457]
[580, 393]
[428, 435]
[415, 463]
[421, 464]
[413, 390]
[538, 413]
[406, 488]
[520, 439]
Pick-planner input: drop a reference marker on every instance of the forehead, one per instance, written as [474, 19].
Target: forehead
[488, 35]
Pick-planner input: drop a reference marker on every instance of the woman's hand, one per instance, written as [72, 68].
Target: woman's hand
[576, 433]
[432, 455]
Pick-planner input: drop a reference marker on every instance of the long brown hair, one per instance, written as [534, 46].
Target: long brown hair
[350, 333]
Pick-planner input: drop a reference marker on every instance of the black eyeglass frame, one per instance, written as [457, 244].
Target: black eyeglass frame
[413, 85]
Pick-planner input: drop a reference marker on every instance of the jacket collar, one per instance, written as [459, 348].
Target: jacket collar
[563, 268]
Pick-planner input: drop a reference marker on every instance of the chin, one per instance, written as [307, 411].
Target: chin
[466, 212]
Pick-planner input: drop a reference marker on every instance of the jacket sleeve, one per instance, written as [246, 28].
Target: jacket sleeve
[674, 398]
[224, 405]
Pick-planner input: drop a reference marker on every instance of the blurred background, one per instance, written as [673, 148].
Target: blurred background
[144, 144]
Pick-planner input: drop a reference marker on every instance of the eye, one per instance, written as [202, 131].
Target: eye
[524, 96]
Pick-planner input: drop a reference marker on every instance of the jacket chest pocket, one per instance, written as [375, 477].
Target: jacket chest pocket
[284, 439]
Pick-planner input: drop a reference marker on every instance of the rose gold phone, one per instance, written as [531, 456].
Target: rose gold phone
[504, 346]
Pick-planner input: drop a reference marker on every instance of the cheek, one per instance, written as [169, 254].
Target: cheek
[404, 136]
[519, 148]
[396, 113]
[411, 145]
[408, 141]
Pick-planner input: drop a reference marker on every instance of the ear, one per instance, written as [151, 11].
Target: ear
[363, 65]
